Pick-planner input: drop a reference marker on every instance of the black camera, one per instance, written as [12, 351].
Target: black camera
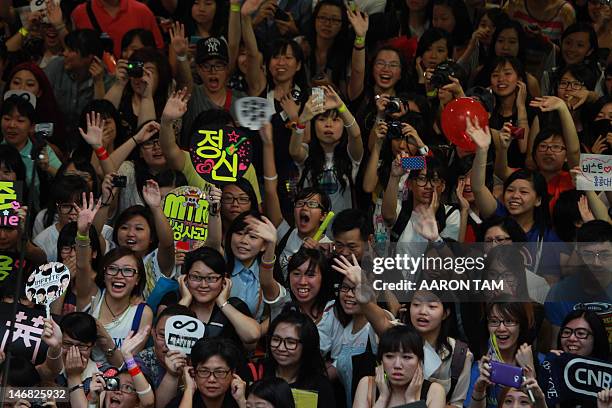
[111, 383]
[394, 105]
[440, 76]
[394, 129]
[119, 181]
[135, 69]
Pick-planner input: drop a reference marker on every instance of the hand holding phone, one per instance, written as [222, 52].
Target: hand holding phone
[516, 132]
[506, 374]
[413, 162]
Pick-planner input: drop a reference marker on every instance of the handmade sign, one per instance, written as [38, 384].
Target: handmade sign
[182, 332]
[10, 194]
[47, 283]
[26, 339]
[41, 5]
[569, 377]
[220, 156]
[252, 112]
[186, 208]
[9, 265]
[596, 173]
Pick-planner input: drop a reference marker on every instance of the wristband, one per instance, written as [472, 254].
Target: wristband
[359, 40]
[224, 304]
[143, 392]
[299, 126]
[101, 153]
[135, 141]
[134, 371]
[275, 177]
[76, 387]
[342, 108]
[423, 150]
[24, 32]
[235, 7]
[272, 262]
[82, 237]
[131, 363]
[181, 58]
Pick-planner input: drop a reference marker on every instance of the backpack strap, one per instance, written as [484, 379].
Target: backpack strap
[256, 372]
[138, 317]
[458, 361]
[280, 247]
[402, 220]
[92, 17]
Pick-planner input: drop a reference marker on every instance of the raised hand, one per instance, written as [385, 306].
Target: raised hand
[96, 69]
[147, 131]
[547, 103]
[176, 106]
[264, 229]
[54, 13]
[604, 398]
[121, 74]
[214, 196]
[311, 110]
[585, 211]
[480, 136]
[151, 194]
[381, 104]
[52, 334]
[74, 365]
[175, 361]
[133, 340]
[332, 100]
[426, 224]
[484, 377]
[87, 213]
[524, 356]
[396, 167]
[95, 127]
[359, 21]
[96, 386]
[288, 27]
[251, 6]
[463, 203]
[178, 41]
[350, 269]
[381, 131]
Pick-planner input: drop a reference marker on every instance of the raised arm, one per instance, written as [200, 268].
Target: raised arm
[522, 118]
[114, 94]
[131, 345]
[265, 230]
[215, 235]
[121, 153]
[165, 254]
[389, 204]
[175, 108]
[485, 200]
[147, 104]
[246, 327]
[359, 21]
[570, 136]
[255, 77]
[85, 286]
[234, 33]
[52, 366]
[355, 143]
[501, 154]
[93, 137]
[271, 204]
[370, 178]
[179, 47]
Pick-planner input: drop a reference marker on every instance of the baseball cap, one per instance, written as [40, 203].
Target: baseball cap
[211, 47]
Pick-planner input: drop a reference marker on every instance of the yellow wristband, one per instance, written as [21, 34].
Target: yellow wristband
[235, 8]
[24, 32]
[359, 40]
[342, 108]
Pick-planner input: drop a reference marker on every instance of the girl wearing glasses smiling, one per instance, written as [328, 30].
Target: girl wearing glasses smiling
[583, 333]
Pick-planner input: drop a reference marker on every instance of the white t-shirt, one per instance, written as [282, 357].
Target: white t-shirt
[47, 241]
[451, 230]
[294, 243]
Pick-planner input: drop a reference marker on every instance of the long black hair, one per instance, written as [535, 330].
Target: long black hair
[220, 20]
[65, 189]
[274, 390]
[601, 348]
[280, 47]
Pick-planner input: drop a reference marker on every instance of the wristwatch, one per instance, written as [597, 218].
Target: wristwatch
[110, 351]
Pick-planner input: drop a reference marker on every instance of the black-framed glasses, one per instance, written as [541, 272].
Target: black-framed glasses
[81, 347]
[208, 67]
[149, 144]
[66, 208]
[380, 64]
[493, 322]
[208, 279]
[126, 271]
[219, 373]
[575, 85]
[309, 204]
[422, 180]
[329, 20]
[229, 199]
[66, 249]
[346, 289]
[289, 342]
[555, 148]
[580, 333]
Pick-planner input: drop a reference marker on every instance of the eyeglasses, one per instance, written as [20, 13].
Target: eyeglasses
[208, 67]
[575, 85]
[218, 373]
[493, 322]
[380, 64]
[329, 20]
[289, 342]
[580, 333]
[497, 240]
[589, 256]
[81, 347]
[208, 279]
[309, 204]
[68, 249]
[422, 181]
[228, 199]
[127, 389]
[347, 289]
[149, 144]
[126, 271]
[555, 148]
[66, 208]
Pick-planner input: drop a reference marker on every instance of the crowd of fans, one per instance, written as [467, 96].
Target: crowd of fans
[126, 84]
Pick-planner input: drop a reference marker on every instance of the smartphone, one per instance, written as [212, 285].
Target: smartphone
[194, 39]
[413, 163]
[318, 96]
[506, 374]
[109, 62]
[281, 14]
[517, 132]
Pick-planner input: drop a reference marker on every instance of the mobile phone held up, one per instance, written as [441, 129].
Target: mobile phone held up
[413, 162]
[517, 132]
[506, 374]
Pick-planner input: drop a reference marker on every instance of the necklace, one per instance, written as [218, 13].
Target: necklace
[115, 317]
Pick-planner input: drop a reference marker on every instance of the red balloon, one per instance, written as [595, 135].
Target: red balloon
[453, 121]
